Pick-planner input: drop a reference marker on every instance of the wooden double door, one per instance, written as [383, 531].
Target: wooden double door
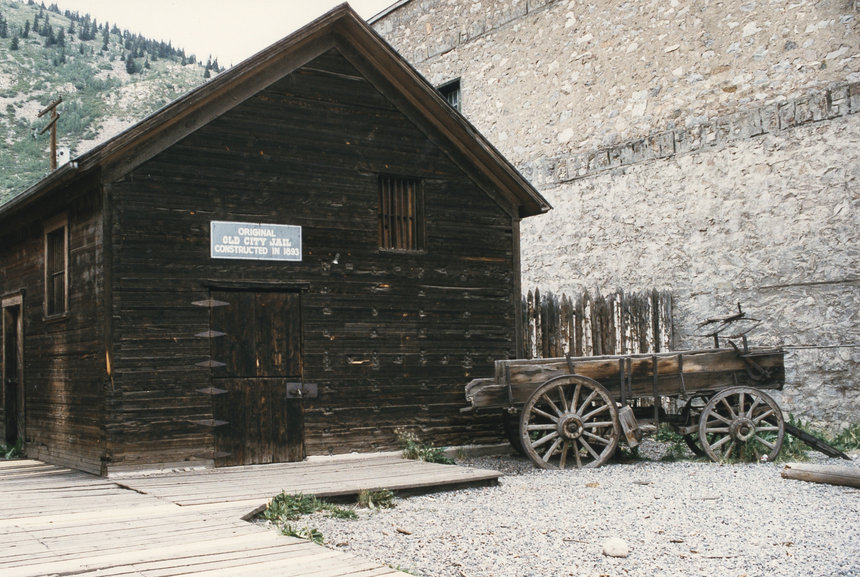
[257, 335]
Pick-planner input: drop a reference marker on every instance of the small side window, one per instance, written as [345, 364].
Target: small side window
[451, 92]
[401, 213]
[56, 267]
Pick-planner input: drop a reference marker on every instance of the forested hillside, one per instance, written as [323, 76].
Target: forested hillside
[107, 77]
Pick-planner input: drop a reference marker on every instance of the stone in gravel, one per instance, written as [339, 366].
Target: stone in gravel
[615, 547]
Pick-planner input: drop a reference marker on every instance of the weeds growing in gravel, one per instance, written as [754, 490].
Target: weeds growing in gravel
[286, 507]
[378, 499]
[292, 507]
[309, 533]
[414, 449]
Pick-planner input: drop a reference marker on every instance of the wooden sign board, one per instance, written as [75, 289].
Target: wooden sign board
[255, 241]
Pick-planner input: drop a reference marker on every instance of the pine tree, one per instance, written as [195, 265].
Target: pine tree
[61, 38]
[130, 65]
[4, 27]
[14, 44]
[26, 32]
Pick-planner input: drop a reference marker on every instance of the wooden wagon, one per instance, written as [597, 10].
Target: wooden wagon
[574, 411]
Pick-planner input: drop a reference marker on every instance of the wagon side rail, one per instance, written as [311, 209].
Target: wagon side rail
[627, 377]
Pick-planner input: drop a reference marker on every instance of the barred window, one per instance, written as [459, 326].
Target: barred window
[56, 267]
[401, 213]
[451, 92]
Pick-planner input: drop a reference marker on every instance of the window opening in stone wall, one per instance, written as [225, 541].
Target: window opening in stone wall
[451, 92]
[401, 213]
[56, 267]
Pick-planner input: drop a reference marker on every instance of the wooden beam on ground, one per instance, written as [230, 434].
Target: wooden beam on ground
[832, 474]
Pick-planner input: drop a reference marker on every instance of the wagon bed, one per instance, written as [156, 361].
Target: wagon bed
[629, 377]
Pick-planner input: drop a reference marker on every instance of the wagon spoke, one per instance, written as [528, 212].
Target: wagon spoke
[759, 418]
[545, 439]
[768, 428]
[561, 396]
[552, 449]
[564, 449]
[552, 418]
[576, 454]
[721, 442]
[721, 418]
[589, 449]
[728, 452]
[597, 424]
[741, 398]
[575, 397]
[586, 401]
[596, 411]
[546, 427]
[596, 438]
[753, 406]
[729, 407]
[555, 408]
[763, 441]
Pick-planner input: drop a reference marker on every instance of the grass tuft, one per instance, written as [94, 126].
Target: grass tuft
[15, 451]
[292, 507]
[376, 499]
[414, 449]
[848, 439]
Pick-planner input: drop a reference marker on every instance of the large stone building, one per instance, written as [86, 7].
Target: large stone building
[709, 148]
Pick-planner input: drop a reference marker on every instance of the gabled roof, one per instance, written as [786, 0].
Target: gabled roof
[340, 28]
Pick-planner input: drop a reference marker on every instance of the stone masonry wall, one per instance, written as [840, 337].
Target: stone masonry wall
[709, 148]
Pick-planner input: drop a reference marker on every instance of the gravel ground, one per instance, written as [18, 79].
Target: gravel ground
[677, 518]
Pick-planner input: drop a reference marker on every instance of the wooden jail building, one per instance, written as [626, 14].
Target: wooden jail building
[308, 255]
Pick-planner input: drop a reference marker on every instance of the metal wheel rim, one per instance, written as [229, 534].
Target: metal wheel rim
[741, 424]
[569, 422]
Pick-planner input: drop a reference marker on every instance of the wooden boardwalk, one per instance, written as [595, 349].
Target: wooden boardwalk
[246, 490]
[55, 521]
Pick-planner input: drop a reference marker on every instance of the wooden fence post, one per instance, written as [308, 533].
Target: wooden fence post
[620, 323]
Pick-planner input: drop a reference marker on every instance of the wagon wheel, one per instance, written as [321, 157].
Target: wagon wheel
[741, 423]
[569, 421]
[690, 414]
[510, 423]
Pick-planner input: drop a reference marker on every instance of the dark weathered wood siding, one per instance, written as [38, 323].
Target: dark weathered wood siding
[390, 338]
[64, 365]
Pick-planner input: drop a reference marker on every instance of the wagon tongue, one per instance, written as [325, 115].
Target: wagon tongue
[815, 442]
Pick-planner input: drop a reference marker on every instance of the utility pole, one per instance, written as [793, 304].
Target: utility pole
[52, 108]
